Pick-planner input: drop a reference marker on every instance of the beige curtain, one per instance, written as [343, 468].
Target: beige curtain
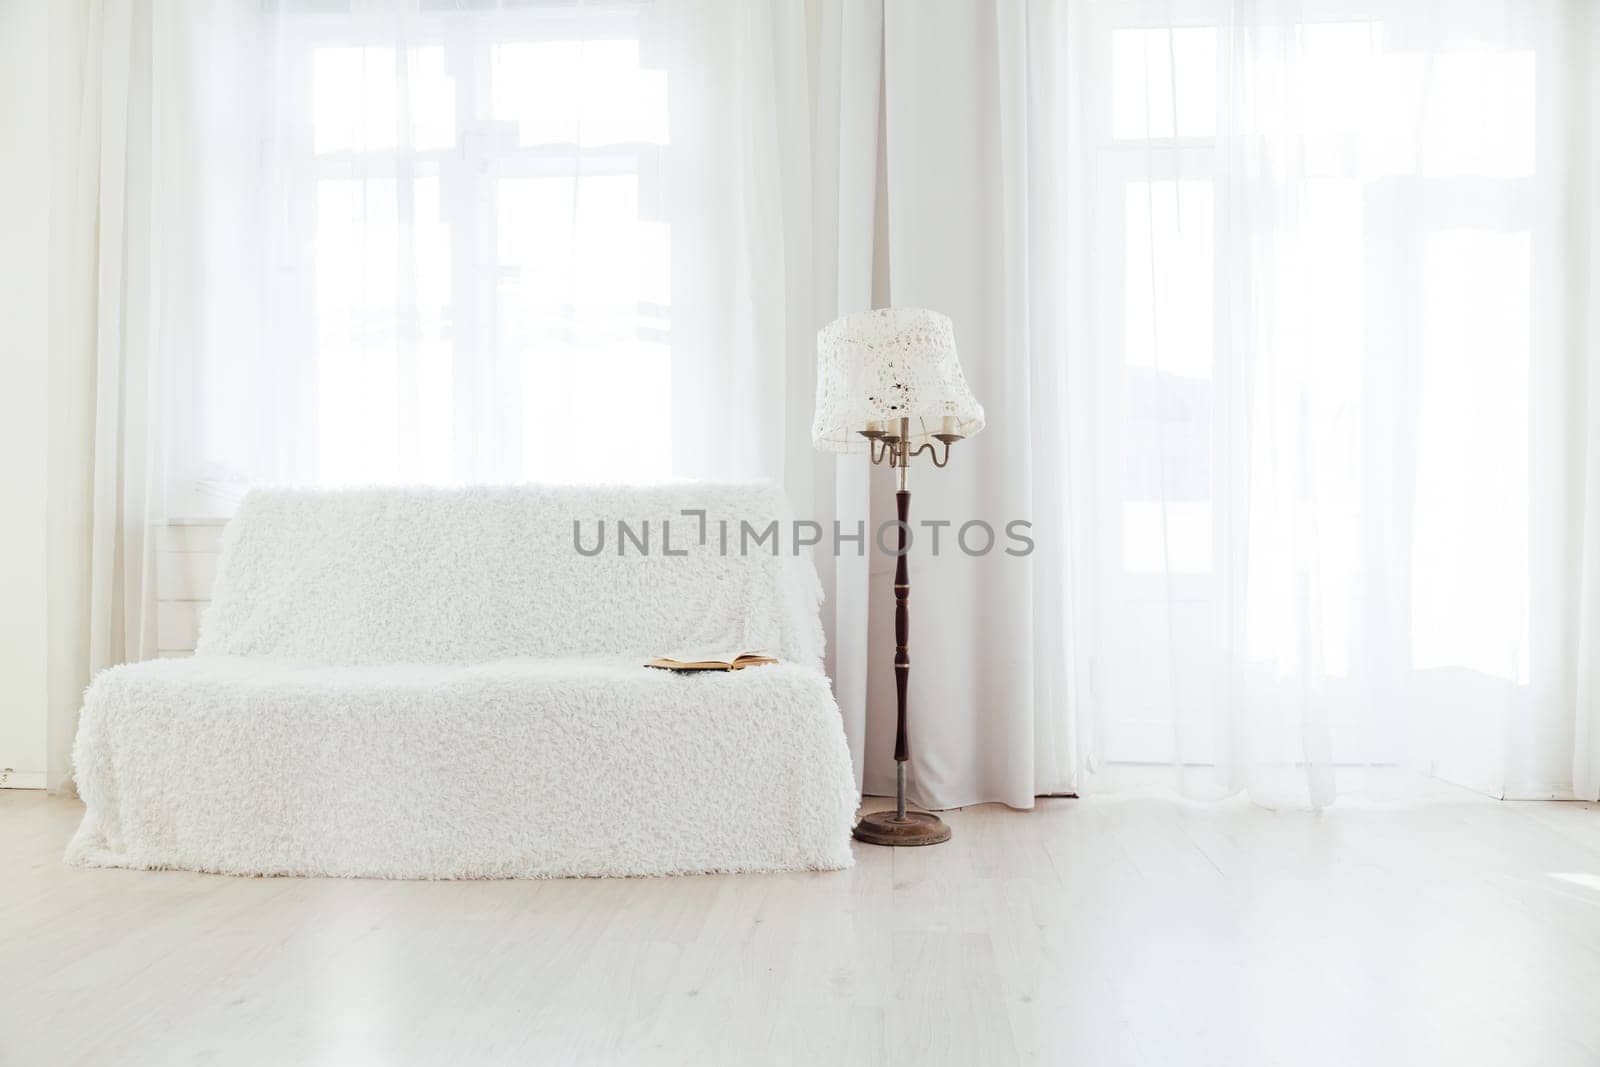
[104, 497]
[1584, 192]
[973, 231]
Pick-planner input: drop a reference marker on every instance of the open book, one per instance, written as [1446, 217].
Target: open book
[711, 660]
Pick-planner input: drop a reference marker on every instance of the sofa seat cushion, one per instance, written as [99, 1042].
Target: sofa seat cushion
[513, 768]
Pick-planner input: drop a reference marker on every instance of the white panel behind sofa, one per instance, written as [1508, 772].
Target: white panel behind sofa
[185, 572]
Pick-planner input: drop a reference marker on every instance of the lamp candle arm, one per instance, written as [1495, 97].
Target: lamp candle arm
[896, 450]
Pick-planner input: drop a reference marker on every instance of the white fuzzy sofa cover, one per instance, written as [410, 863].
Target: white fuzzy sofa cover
[436, 684]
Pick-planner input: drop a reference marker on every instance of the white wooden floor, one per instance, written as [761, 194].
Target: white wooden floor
[1451, 930]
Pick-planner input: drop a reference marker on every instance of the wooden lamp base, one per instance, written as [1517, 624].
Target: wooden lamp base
[890, 828]
[901, 827]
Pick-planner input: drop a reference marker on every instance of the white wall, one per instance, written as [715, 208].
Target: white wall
[24, 364]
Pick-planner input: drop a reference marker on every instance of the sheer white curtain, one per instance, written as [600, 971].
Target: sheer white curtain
[1335, 326]
[1281, 311]
[428, 241]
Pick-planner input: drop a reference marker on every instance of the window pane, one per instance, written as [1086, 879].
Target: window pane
[383, 358]
[582, 298]
[356, 100]
[579, 92]
[1167, 293]
[1164, 82]
[1474, 114]
[1472, 456]
[1167, 316]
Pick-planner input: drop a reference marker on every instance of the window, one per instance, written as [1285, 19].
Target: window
[469, 265]
[1308, 292]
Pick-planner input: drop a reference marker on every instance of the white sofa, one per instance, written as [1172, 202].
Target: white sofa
[437, 684]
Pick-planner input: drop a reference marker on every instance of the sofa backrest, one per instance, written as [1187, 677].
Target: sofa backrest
[477, 574]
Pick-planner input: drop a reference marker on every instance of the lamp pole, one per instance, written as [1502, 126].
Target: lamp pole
[901, 827]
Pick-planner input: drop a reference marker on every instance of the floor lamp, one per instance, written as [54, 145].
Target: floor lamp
[889, 384]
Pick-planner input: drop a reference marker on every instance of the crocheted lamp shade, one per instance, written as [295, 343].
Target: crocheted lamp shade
[877, 367]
